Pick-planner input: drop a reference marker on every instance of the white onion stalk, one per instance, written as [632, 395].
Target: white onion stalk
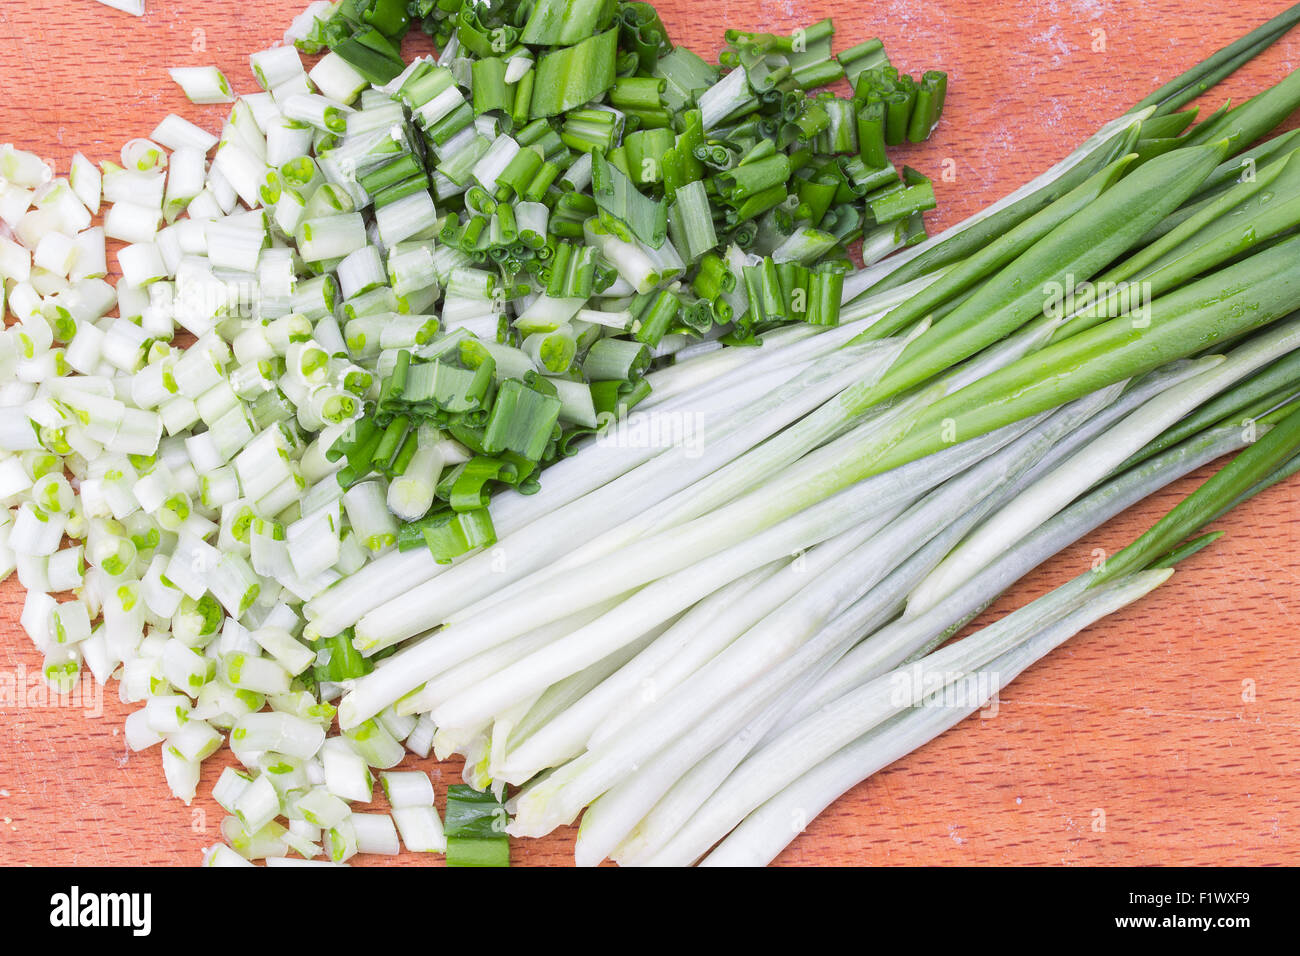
[780, 635]
[628, 691]
[783, 347]
[1076, 474]
[719, 442]
[656, 558]
[561, 695]
[547, 546]
[766, 831]
[870, 611]
[571, 478]
[674, 549]
[469, 672]
[830, 557]
[612, 815]
[905, 638]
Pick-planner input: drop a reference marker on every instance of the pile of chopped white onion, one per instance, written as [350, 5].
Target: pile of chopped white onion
[165, 522]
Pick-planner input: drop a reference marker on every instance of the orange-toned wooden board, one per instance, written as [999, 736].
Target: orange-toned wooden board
[1165, 735]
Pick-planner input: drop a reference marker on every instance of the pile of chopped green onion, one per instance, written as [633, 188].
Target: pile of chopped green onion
[739, 488]
[617, 196]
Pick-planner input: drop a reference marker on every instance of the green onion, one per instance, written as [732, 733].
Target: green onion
[475, 825]
[452, 534]
[577, 74]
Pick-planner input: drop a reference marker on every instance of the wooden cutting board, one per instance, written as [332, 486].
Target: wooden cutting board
[1164, 735]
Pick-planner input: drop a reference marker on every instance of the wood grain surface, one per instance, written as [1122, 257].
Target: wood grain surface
[1164, 735]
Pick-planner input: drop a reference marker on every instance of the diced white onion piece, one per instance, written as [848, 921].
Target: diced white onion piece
[13, 481]
[123, 345]
[235, 243]
[292, 654]
[22, 168]
[322, 112]
[341, 841]
[407, 788]
[36, 617]
[421, 829]
[440, 106]
[262, 106]
[55, 253]
[178, 414]
[131, 222]
[242, 169]
[92, 255]
[408, 216]
[195, 741]
[218, 854]
[258, 804]
[196, 372]
[517, 67]
[141, 264]
[36, 532]
[331, 237]
[176, 132]
[139, 735]
[190, 564]
[286, 140]
[280, 732]
[346, 773]
[35, 225]
[162, 598]
[86, 181]
[15, 261]
[375, 833]
[134, 186]
[204, 206]
[242, 127]
[305, 22]
[182, 775]
[65, 569]
[336, 78]
[202, 84]
[185, 669]
[420, 741]
[322, 808]
[276, 65]
[228, 787]
[166, 713]
[70, 622]
[143, 155]
[494, 162]
[258, 674]
[185, 180]
[99, 660]
[133, 7]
